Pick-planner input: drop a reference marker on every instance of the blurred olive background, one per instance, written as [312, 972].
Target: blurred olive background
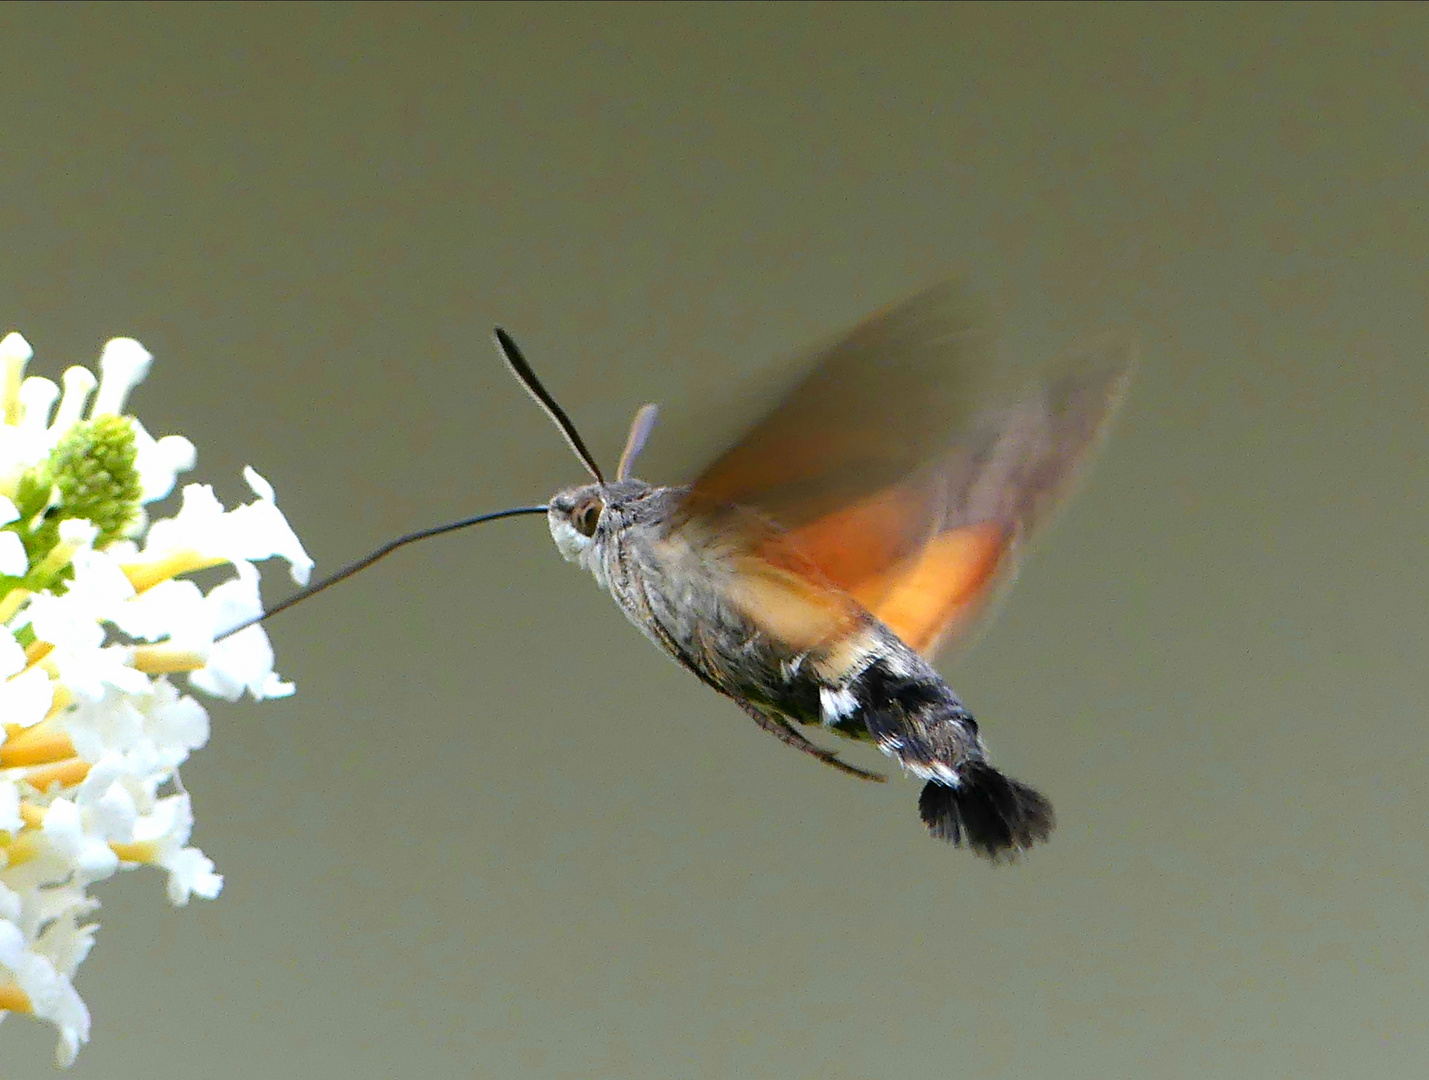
[496, 834]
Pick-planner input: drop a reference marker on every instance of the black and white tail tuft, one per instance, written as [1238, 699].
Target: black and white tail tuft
[994, 815]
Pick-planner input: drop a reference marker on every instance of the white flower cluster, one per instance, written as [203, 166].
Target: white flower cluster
[95, 623]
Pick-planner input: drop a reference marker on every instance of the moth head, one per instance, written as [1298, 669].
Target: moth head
[585, 517]
[576, 516]
[582, 518]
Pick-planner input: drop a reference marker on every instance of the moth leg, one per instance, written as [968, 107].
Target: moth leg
[782, 730]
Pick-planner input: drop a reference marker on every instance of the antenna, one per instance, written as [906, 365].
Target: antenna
[522, 370]
[640, 429]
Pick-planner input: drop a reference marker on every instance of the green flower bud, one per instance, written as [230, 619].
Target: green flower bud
[90, 474]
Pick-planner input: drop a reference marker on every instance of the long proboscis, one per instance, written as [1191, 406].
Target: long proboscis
[367, 560]
[511, 353]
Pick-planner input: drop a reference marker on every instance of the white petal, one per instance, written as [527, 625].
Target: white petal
[256, 530]
[197, 525]
[173, 609]
[12, 944]
[259, 486]
[158, 461]
[78, 531]
[64, 622]
[113, 815]
[89, 672]
[107, 722]
[91, 858]
[104, 774]
[98, 579]
[171, 821]
[55, 903]
[10, 819]
[261, 531]
[53, 998]
[236, 600]
[8, 513]
[13, 560]
[267, 532]
[122, 366]
[65, 942]
[241, 662]
[19, 450]
[274, 687]
[191, 873]
[9, 909]
[78, 382]
[26, 698]
[12, 654]
[37, 396]
[182, 723]
[13, 346]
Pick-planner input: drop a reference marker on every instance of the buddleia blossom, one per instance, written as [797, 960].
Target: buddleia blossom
[101, 639]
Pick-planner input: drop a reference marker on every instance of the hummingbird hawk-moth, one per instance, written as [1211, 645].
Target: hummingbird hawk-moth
[811, 571]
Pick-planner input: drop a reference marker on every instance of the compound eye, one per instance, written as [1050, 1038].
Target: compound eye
[586, 516]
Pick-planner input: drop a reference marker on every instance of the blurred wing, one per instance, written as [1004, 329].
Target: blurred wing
[909, 468]
[769, 578]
